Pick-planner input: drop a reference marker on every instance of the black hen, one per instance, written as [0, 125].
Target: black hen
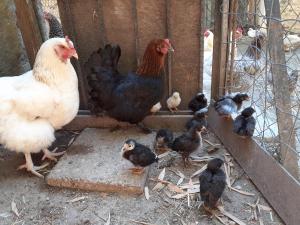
[128, 97]
[198, 102]
[228, 105]
[244, 124]
[164, 139]
[139, 155]
[188, 142]
[199, 118]
[55, 28]
[212, 183]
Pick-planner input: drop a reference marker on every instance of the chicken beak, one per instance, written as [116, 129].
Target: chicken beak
[75, 55]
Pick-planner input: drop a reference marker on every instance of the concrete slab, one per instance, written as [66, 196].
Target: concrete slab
[94, 162]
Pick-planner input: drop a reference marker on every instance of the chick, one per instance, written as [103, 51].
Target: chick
[212, 183]
[163, 140]
[199, 118]
[244, 124]
[139, 155]
[188, 142]
[174, 101]
[198, 102]
[228, 105]
[155, 108]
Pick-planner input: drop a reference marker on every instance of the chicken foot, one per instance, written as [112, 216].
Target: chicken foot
[145, 129]
[51, 155]
[30, 167]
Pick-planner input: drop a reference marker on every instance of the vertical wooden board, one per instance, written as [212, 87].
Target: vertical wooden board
[120, 29]
[185, 33]
[85, 18]
[82, 22]
[151, 24]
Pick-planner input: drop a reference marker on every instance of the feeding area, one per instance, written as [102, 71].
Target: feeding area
[150, 112]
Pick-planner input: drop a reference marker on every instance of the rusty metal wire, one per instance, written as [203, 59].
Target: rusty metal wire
[252, 73]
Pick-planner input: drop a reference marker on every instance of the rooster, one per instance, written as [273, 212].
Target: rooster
[35, 104]
[128, 97]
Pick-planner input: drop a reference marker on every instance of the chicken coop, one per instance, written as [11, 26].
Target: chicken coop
[254, 48]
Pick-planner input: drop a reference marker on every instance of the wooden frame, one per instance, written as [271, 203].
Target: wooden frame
[132, 24]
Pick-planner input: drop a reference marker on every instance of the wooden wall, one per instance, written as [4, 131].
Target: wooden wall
[132, 24]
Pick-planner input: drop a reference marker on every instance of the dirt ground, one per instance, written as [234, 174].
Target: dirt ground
[40, 204]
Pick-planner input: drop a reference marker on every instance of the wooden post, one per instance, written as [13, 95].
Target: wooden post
[220, 48]
[38, 9]
[232, 27]
[282, 96]
[251, 9]
[28, 24]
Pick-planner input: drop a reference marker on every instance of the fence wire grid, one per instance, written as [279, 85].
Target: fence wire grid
[249, 70]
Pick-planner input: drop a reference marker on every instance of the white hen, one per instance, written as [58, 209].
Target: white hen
[35, 104]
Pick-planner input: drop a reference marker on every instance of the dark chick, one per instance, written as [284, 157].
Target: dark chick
[139, 155]
[188, 142]
[244, 124]
[227, 105]
[127, 97]
[55, 28]
[199, 118]
[212, 183]
[198, 102]
[164, 139]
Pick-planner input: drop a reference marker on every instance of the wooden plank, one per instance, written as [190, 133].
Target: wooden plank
[120, 29]
[280, 189]
[281, 85]
[82, 22]
[151, 20]
[220, 48]
[185, 31]
[28, 24]
[174, 122]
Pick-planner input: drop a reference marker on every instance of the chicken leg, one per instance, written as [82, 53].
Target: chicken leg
[51, 155]
[30, 167]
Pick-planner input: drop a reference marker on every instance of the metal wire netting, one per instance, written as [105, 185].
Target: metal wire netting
[51, 6]
[249, 70]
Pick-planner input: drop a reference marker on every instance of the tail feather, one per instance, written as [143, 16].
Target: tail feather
[102, 76]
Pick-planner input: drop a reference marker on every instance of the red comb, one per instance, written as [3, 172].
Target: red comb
[167, 40]
[69, 42]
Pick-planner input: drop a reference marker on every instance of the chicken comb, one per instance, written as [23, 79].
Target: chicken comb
[69, 42]
[167, 41]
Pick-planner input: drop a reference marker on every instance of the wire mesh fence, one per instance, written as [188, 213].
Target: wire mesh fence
[267, 68]
[51, 7]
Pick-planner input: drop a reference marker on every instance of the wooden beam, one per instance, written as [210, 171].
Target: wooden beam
[220, 48]
[163, 120]
[280, 189]
[28, 24]
[282, 97]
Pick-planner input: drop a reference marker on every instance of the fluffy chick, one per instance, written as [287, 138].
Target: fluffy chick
[155, 108]
[174, 101]
[212, 183]
[188, 142]
[199, 118]
[198, 102]
[244, 124]
[139, 155]
[164, 139]
[228, 105]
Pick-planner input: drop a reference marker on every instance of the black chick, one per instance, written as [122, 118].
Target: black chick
[244, 124]
[188, 142]
[55, 28]
[139, 155]
[228, 105]
[164, 139]
[198, 102]
[212, 183]
[199, 118]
